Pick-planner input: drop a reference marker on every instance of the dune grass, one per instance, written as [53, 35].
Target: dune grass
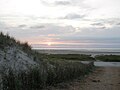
[38, 78]
[52, 69]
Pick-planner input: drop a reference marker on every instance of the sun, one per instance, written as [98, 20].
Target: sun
[49, 43]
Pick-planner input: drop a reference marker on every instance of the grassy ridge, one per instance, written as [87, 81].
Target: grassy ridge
[108, 58]
[51, 70]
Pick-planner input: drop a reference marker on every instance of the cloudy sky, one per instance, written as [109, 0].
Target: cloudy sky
[62, 23]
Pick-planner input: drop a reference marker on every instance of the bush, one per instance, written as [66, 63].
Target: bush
[108, 58]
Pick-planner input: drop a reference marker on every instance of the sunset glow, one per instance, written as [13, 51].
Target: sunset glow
[49, 43]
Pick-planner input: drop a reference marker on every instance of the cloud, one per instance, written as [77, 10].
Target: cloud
[57, 2]
[44, 29]
[97, 24]
[118, 24]
[98, 32]
[22, 26]
[105, 23]
[37, 27]
[74, 16]
[57, 29]
[111, 21]
[62, 3]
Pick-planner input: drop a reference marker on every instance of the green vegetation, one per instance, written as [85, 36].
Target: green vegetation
[7, 41]
[52, 69]
[75, 57]
[67, 70]
[36, 79]
[108, 58]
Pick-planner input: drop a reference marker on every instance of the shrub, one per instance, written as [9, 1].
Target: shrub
[108, 58]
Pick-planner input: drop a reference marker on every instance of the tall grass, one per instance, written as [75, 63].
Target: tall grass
[37, 78]
[48, 72]
[66, 70]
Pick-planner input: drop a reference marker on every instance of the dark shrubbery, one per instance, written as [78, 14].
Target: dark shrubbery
[31, 80]
[66, 70]
[75, 57]
[36, 78]
[108, 58]
[7, 41]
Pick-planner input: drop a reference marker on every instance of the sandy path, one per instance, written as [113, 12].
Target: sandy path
[103, 78]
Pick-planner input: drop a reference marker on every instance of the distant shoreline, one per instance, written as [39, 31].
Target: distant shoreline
[83, 49]
[91, 51]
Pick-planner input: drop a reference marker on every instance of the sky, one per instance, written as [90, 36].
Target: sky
[62, 23]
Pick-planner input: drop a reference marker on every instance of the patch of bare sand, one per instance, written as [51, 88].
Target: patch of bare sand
[103, 78]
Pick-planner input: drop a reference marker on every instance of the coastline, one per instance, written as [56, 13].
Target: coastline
[87, 51]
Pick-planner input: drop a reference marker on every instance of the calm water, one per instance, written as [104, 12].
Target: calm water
[104, 64]
[107, 64]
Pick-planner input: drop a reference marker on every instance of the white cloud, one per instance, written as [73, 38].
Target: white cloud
[74, 16]
[104, 8]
